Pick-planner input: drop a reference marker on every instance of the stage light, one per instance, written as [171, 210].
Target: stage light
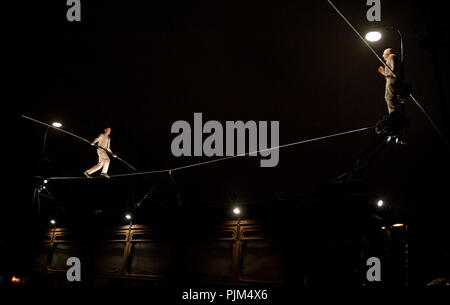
[397, 225]
[236, 211]
[380, 203]
[128, 216]
[373, 36]
[52, 221]
[45, 181]
[56, 124]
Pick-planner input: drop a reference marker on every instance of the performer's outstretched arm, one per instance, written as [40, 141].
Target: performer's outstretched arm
[96, 140]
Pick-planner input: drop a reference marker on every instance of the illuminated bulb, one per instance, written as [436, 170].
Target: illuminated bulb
[236, 211]
[373, 36]
[56, 124]
[397, 225]
[52, 221]
[380, 203]
[128, 216]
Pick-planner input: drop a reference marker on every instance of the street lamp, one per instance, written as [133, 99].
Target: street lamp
[373, 36]
[376, 35]
[54, 124]
[237, 212]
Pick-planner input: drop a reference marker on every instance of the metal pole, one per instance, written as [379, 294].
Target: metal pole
[401, 44]
[45, 139]
[393, 28]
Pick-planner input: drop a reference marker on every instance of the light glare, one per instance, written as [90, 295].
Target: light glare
[373, 36]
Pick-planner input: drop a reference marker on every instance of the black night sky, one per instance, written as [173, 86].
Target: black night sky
[140, 67]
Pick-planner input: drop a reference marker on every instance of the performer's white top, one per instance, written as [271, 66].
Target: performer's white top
[103, 141]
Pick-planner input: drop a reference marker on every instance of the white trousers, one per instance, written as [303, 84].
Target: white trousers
[103, 163]
[391, 95]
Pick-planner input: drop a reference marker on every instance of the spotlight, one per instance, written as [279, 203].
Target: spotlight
[56, 124]
[52, 221]
[128, 216]
[373, 36]
[236, 211]
[380, 203]
[397, 225]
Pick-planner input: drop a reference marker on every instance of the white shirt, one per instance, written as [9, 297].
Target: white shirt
[103, 141]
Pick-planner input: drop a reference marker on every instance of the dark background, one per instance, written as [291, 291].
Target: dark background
[140, 67]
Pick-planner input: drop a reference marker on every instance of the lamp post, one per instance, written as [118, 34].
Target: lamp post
[237, 212]
[45, 139]
[55, 124]
[41, 187]
[129, 217]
